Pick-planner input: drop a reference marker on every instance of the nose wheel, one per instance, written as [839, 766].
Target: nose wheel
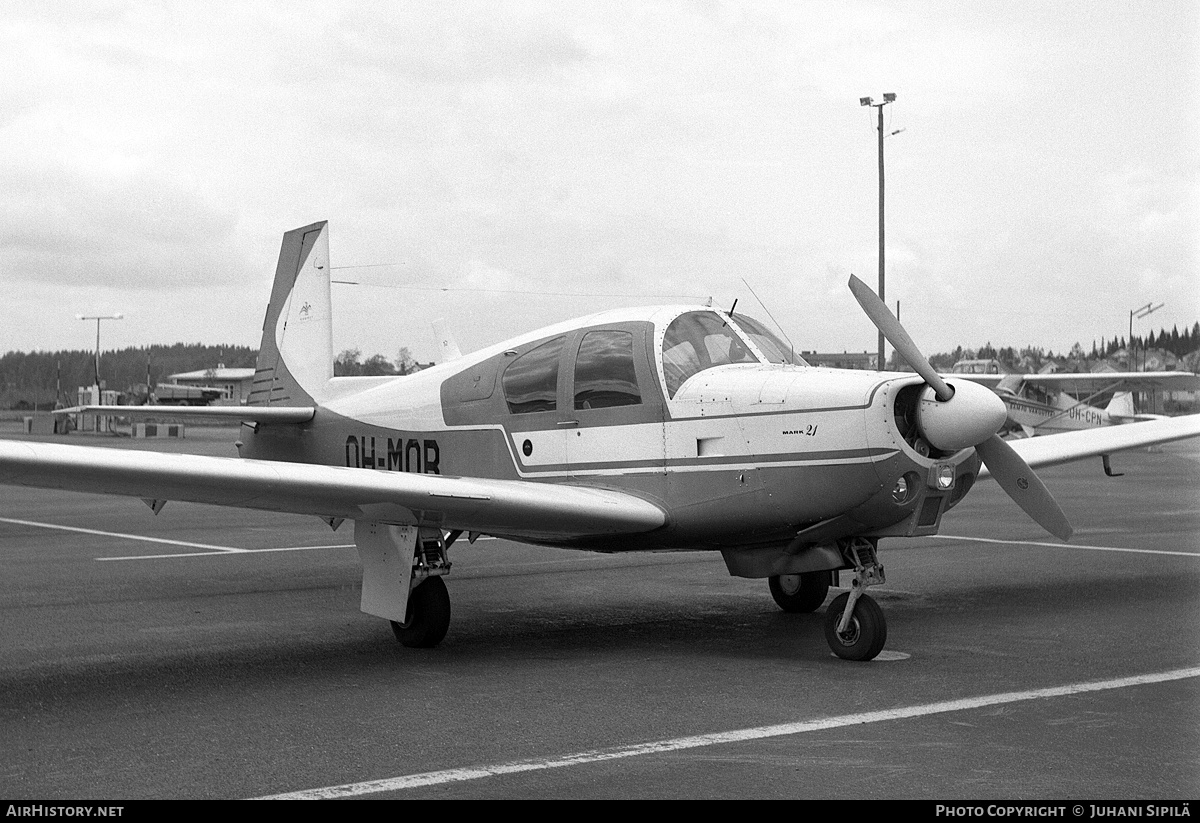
[864, 631]
[854, 624]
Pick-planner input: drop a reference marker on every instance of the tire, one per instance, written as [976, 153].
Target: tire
[428, 616]
[800, 592]
[866, 634]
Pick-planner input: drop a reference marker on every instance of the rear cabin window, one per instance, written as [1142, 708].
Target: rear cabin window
[531, 381]
[604, 372]
[696, 341]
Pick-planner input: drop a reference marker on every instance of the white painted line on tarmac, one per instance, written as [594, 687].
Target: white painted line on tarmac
[212, 548]
[226, 552]
[1064, 545]
[413, 781]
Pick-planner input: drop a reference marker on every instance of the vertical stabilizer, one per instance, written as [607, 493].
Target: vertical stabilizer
[1121, 405]
[447, 345]
[295, 358]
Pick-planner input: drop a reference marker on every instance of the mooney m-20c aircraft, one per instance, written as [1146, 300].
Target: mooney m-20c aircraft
[1047, 404]
[668, 428]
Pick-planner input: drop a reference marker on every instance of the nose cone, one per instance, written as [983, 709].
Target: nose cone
[968, 418]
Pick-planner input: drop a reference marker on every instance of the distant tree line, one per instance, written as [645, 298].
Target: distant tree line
[1180, 344]
[350, 364]
[38, 380]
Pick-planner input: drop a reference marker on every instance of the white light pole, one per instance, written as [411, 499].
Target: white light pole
[98, 318]
[867, 101]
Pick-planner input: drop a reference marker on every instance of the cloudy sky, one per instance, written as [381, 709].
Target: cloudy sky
[504, 165]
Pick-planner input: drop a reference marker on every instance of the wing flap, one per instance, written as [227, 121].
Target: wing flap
[513, 507]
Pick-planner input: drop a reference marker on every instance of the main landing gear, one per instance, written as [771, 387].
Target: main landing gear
[800, 593]
[427, 617]
[854, 625]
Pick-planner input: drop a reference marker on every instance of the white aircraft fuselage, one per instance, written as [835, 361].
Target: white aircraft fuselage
[745, 454]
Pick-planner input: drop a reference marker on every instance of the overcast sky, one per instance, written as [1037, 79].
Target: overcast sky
[507, 165]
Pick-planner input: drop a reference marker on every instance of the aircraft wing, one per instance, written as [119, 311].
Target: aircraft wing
[1063, 448]
[513, 507]
[250, 414]
[1130, 381]
[1097, 381]
[989, 380]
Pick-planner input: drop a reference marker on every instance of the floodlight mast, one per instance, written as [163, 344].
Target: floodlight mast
[1139, 313]
[888, 97]
[98, 318]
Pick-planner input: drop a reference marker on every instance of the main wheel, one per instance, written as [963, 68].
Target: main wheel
[864, 636]
[428, 615]
[800, 592]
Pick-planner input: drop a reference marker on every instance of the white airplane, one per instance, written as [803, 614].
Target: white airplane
[677, 428]
[1051, 404]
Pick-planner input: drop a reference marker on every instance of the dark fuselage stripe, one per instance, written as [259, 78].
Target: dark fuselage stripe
[716, 462]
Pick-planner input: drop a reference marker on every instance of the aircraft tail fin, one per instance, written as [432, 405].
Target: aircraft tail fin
[447, 345]
[1122, 410]
[1121, 405]
[295, 358]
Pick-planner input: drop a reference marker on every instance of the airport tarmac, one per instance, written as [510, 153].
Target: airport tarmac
[213, 653]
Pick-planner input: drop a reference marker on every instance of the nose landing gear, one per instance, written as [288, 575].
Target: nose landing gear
[854, 624]
[855, 631]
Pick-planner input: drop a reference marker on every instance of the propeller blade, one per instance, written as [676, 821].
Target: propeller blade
[1012, 473]
[1023, 486]
[898, 337]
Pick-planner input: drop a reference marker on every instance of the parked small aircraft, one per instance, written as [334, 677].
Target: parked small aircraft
[668, 428]
[1054, 403]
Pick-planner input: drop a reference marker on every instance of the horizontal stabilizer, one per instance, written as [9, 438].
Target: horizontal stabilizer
[250, 414]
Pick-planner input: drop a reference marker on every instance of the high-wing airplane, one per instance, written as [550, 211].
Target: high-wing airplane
[1054, 403]
[677, 428]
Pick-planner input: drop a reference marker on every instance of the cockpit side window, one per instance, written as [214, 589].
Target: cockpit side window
[604, 371]
[696, 341]
[531, 381]
[775, 350]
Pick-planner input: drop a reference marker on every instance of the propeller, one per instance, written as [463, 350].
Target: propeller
[966, 415]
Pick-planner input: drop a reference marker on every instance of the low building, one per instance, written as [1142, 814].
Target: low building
[845, 360]
[233, 384]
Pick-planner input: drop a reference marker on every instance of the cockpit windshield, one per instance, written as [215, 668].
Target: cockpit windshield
[775, 350]
[696, 341]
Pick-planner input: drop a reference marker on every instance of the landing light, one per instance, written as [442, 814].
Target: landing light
[942, 476]
[906, 487]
